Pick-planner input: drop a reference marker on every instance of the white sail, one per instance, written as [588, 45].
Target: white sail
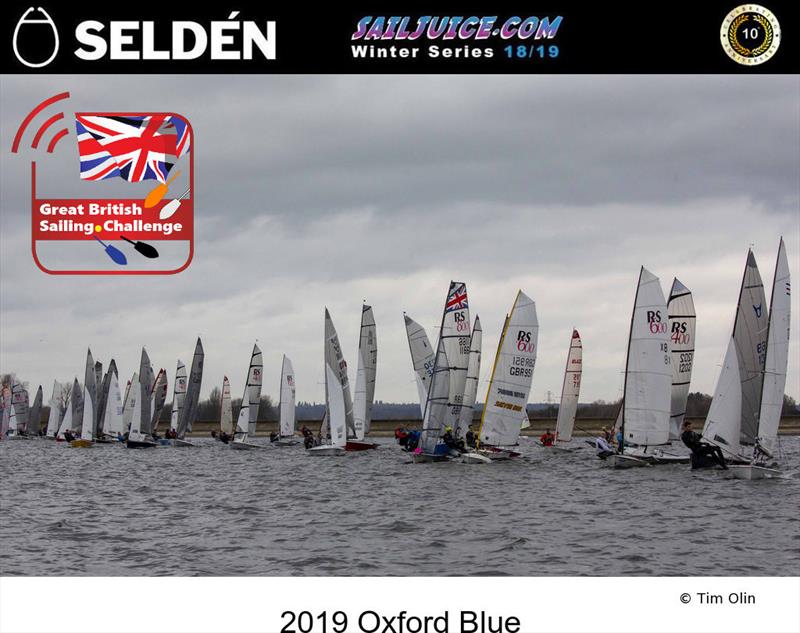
[287, 395]
[681, 335]
[57, 409]
[113, 417]
[87, 428]
[648, 371]
[135, 429]
[456, 334]
[66, 421]
[178, 396]
[102, 396]
[19, 398]
[473, 375]
[188, 413]
[777, 354]
[724, 415]
[337, 386]
[512, 375]
[13, 421]
[248, 412]
[422, 358]
[130, 401]
[226, 410]
[570, 389]
[73, 417]
[750, 338]
[437, 402]
[365, 376]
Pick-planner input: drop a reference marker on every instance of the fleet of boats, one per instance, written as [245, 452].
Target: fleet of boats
[742, 422]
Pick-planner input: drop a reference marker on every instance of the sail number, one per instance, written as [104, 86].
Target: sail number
[304, 622]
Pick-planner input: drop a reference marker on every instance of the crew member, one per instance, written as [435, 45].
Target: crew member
[547, 438]
[470, 437]
[700, 448]
[604, 449]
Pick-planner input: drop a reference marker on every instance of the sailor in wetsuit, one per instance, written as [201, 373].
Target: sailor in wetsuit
[700, 448]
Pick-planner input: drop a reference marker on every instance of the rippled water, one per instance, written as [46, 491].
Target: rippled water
[214, 511]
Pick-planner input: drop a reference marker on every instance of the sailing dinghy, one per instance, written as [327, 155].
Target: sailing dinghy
[73, 418]
[248, 413]
[87, 426]
[139, 435]
[422, 359]
[287, 409]
[510, 384]
[187, 415]
[178, 396]
[570, 393]
[471, 386]
[35, 415]
[732, 420]
[763, 459]
[18, 414]
[226, 408]
[57, 409]
[648, 377]
[338, 404]
[365, 383]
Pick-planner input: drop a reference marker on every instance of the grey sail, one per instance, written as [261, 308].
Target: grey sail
[159, 397]
[20, 401]
[252, 391]
[682, 341]
[750, 338]
[369, 352]
[437, 405]
[473, 376]
[423, 357]
[98, 388]
[336, 367]
[90, 381]
[188, 413]
[76, 402]
[35, 413]
[146, 381]
[102, 396]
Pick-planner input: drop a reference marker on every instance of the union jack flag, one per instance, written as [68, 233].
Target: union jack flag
[135, 148]
[457, 298]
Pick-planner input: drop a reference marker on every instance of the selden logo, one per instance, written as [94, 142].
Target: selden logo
[148, 157]
[36, 40]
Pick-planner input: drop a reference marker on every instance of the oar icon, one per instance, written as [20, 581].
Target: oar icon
[142, 247]
[116, 255]
[158, 192]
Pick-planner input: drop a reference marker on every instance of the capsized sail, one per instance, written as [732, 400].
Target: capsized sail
[226, 409]
[287, 395]
[648, 374]
[570, 389]
[750, 338]
[188, 414]
[473, 375]
[337, 387]
[178, 395]
[423, 357]
[365, 375]
[681, 335]
[35, 413]
[512, 375]
[777, 357]
[456, 334]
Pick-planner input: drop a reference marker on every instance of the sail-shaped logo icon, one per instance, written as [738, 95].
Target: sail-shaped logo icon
[758, 310]
[30, 32]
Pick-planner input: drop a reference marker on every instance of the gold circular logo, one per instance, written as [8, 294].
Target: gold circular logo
[750, 34]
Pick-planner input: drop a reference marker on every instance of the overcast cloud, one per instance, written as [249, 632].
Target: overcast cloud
[315, 191]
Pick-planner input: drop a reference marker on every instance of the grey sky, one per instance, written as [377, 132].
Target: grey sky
[315, 191]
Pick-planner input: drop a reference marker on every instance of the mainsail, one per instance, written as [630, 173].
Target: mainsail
[365, 376]
[102, 396]
[437, 402]
[456, 334]
[777, 354]
[226, 409]
[287, 395]
[570, 389]
[512, 375]
[142, 413]
[178, 395]
[35, 413]
[90, 388]
[159, 397]
[422, 358]
[188, 414]
[248, 412]
[87, 427]
[337, 387]
[57, 409]
[113, 416]
[473, 375]
[750, 338]
[681, 335]
[19, 399]
[129, 402]
[648, 375]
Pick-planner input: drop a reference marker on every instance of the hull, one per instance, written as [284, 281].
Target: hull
[498, 454]
[286, 441]
[245, 446]
[424, 458]
[106, 440]
[81, 444]
[359, 445]
[177, 442]
[17, 437]
[618, 461]
[474, 458]
[325, 451]
[149, 443]
[666, 458]
[751, 472]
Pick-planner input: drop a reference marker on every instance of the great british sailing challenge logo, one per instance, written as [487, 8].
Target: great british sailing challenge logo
[145, 158]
